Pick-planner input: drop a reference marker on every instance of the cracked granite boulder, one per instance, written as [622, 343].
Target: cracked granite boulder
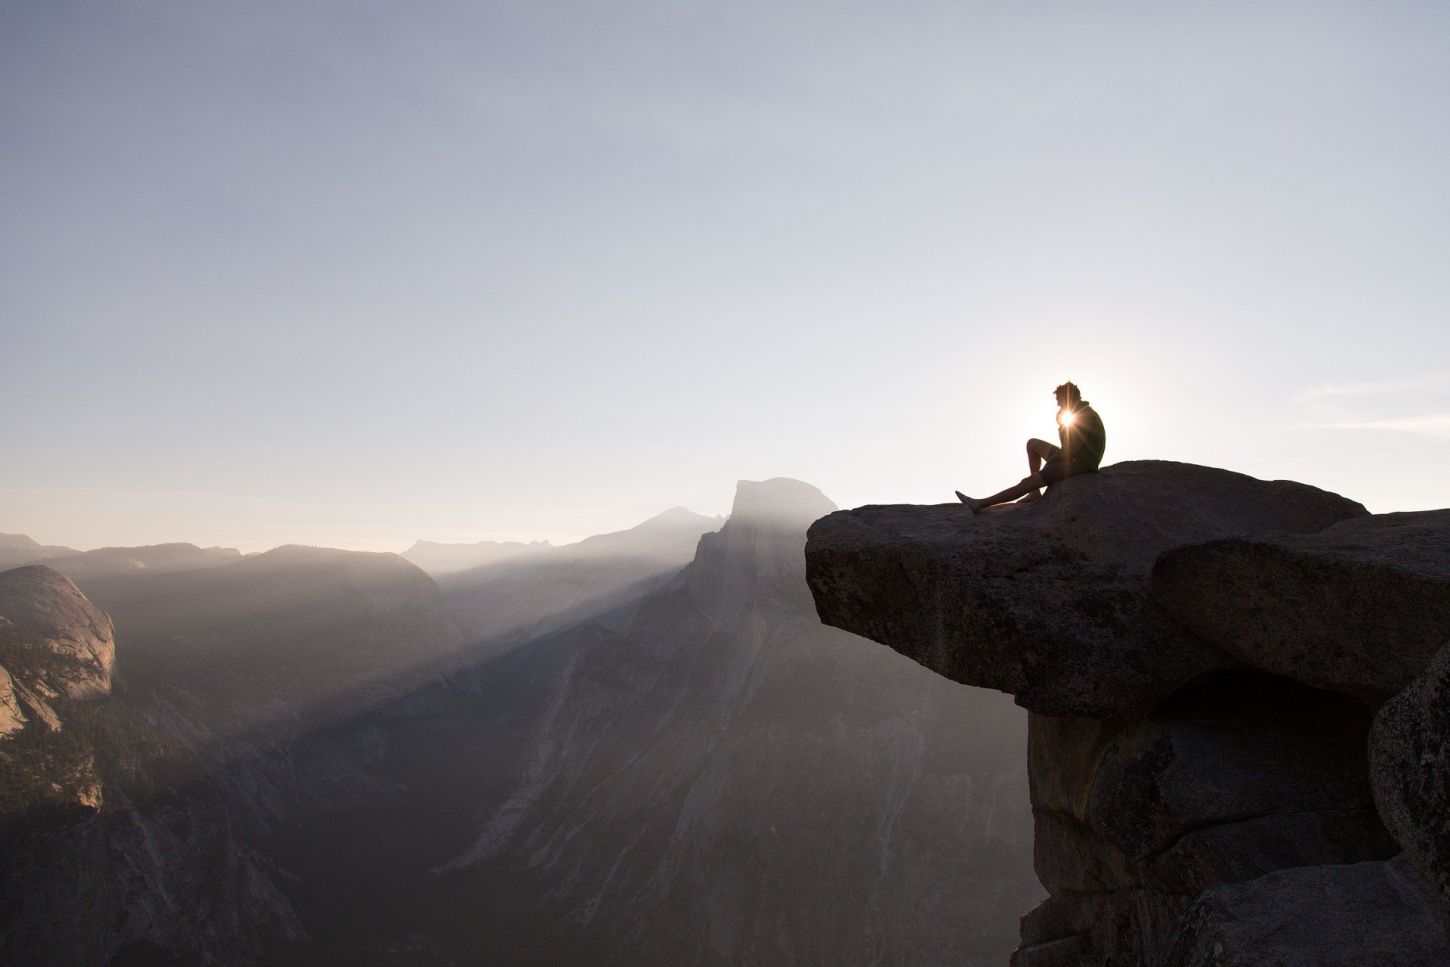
[1050, 601]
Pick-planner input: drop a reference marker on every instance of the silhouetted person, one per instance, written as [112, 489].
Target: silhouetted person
[1083, 439]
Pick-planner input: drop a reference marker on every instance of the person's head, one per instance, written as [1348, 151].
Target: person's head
[1069, 395]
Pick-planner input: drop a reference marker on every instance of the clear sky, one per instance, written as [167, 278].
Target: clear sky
[361, 273]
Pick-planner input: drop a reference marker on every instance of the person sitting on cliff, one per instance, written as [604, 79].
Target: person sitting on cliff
[1083, 438]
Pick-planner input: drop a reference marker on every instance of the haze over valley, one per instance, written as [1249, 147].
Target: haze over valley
[643, 747]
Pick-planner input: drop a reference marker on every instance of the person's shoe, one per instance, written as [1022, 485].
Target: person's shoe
[972, 503]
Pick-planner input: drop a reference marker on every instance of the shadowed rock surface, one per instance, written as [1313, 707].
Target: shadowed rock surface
[1227, 780]
[83, 872]
[1049, 601]
[1410, 757]
[136, 832]
[1358, 915]
[1358, 607]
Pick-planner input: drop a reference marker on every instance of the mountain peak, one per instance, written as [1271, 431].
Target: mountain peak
[437, 557]
[36, 577]
[676, 517]
[18, 549]
[780, 501]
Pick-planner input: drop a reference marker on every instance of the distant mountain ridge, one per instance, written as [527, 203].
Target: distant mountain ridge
[18, 549]
[270, 636]
[525, 597]
[440, 558]
[153, 558]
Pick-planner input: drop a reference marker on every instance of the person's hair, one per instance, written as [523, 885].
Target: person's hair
[1070, 390]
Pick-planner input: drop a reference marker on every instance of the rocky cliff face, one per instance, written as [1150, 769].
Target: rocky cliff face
[135, 826]
[1203, 655]
[71, 643]
[56, 653]
[87, 874]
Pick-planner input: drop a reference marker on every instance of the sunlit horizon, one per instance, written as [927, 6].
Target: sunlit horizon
[273, 274]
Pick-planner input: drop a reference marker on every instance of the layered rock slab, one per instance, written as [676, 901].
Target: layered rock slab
[12, 716]
[1230, 779]
[1131, 927]
[1409, 753]
[1356, 915]
[1359, 607]
[1050, 601]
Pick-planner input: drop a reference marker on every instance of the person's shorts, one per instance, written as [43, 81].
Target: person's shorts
[1056, 469]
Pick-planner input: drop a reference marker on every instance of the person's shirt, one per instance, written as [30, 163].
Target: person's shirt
[1084, 440]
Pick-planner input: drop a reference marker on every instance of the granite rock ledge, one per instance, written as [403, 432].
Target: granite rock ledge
[1203, 654]
[1050, 601]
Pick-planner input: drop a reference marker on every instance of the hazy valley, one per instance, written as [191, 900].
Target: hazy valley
[642, 748]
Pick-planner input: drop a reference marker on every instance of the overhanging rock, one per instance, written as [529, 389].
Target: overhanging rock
[1050, 601]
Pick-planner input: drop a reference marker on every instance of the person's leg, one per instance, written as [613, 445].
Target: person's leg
[1029, 486]
[1026, 485]
[1037, 452]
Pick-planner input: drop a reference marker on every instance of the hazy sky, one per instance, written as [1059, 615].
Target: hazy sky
[359, 273]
